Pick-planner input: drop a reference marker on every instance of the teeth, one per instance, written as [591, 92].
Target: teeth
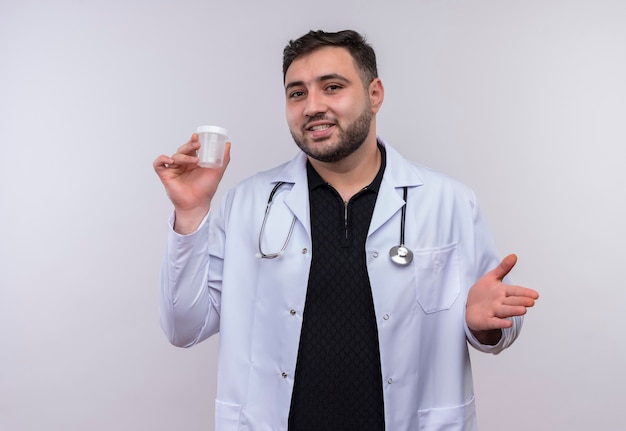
[322, 127]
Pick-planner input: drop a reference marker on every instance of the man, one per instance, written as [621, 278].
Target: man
[349, 304]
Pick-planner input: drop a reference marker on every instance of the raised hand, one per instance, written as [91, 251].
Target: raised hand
[490, 302]
[189, 187]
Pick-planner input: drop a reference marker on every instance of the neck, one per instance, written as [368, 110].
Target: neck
[353, 173]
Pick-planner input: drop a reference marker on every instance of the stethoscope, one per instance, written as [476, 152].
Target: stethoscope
[267, 212]
[399, 254]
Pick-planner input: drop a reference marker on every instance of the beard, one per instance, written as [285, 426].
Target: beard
[350, 139]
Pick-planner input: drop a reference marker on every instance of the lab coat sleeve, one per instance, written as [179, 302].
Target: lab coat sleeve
[487, 259]
[508, 336]
[190, 285]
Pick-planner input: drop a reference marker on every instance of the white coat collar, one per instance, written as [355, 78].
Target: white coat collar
[399, 173]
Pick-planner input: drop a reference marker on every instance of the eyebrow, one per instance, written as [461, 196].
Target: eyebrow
[327, 77]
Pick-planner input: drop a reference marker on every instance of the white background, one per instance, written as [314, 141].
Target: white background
[525, 101]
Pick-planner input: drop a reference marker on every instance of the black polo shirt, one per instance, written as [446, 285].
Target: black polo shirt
[338, 383]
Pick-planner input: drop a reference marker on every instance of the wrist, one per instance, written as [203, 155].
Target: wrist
[187, 221]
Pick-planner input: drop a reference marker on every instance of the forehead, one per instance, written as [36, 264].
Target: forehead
[322, 62]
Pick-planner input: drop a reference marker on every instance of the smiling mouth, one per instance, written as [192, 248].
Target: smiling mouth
[319, 127]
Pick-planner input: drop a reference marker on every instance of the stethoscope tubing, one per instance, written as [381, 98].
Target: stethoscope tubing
[399, 254]
[267, 211]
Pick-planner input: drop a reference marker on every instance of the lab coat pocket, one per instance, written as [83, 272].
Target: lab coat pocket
[438, 278]
[227, 415]
[458, 418]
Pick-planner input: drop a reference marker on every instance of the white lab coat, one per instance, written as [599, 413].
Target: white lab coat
[214, 280]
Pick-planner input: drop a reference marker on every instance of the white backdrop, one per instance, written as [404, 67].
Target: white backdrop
[523, 101]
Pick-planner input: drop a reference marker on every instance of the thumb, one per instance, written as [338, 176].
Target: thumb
[504, 267]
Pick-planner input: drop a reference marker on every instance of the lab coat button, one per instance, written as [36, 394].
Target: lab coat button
[284, 375]
[390, 380]
[305, 251]
[292, 312]
[386, 317]
[375, 254]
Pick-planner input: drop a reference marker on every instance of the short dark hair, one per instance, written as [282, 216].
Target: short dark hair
[362, 53]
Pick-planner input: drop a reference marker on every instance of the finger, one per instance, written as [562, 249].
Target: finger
[190, 147]
[182, 159]
[498, 323]
[505, 266]
[225, 158]
[511, 290]
[227, 153]
[162, 162]
[506, 311]
[519, 301]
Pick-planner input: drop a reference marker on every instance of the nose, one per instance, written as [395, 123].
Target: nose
[314, 104]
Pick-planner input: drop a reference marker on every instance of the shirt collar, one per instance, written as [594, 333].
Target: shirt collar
[315, 180]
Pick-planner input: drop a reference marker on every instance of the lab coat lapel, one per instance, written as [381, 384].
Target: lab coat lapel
[294, 173]
[388, 202]
[399, 173]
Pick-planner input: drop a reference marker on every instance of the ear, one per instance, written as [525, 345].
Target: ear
[376, 93]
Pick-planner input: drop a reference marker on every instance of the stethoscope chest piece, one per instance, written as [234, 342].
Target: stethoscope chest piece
[401, 255]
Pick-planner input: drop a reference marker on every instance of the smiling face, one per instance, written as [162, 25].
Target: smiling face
[329, 110]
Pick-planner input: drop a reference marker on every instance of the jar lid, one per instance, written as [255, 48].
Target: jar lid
[213, 129]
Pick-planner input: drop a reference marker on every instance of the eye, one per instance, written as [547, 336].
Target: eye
[333, 88]
[296, 94]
